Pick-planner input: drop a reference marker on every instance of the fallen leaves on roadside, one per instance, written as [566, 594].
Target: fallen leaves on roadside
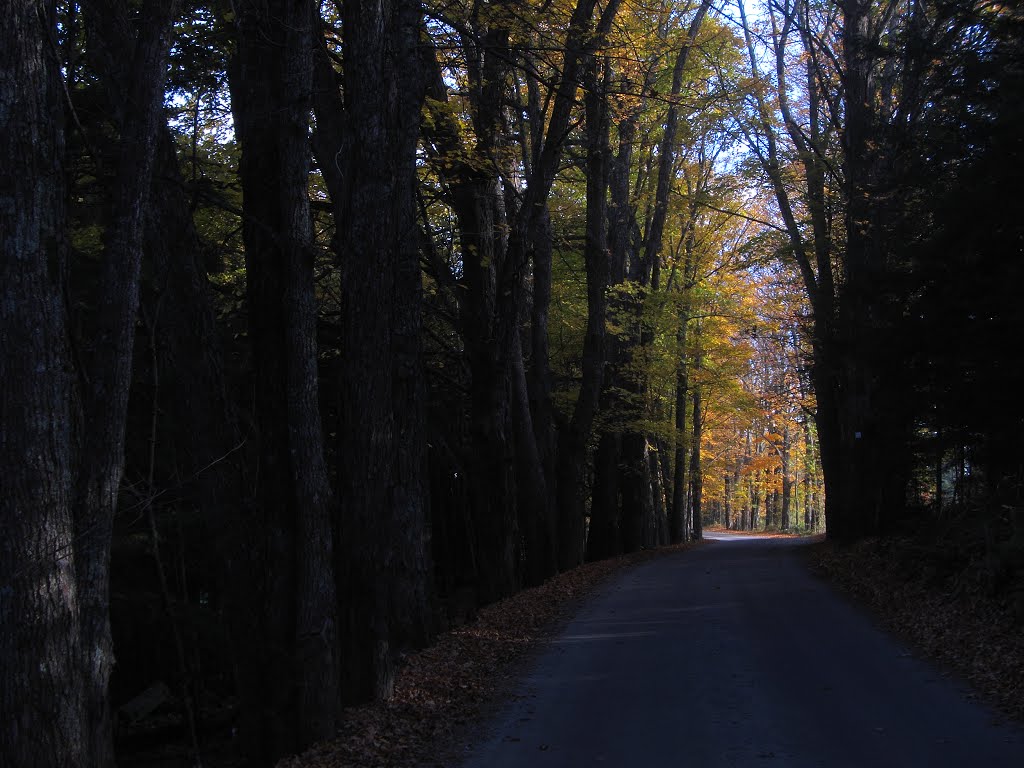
[445, 688]
[947, 619]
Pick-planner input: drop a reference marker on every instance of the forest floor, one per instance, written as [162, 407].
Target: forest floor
[942, 605]
[945, 613]
[443, 692]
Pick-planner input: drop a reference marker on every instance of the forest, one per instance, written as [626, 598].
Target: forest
[325, 323]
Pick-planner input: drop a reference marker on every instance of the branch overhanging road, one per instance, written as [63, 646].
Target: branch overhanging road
[734, 655]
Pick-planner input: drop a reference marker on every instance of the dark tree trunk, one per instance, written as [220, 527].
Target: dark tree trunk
[491, 287]
[606, 519]
[677, 515]
[134, 84]
[540, 503]
[194, 417]
[808, 472]
[857, 499]
[573, 439]
[634, 471]
[41, 672]
[604, 538]
[384, 563]
[196, 409]
[290, 681]
[634, 348]
[535, 512]
[492, 475]
[787, 481]
[696, 471]
[873, 428]
[727, 506]
[659, 532]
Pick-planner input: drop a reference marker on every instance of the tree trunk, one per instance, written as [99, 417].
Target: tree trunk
[634, 471]
[192, 406]
[787, 481]
[291, 678]
[696, 471]
[195, 406]
[366, 150]
[659, 533]
[727, 507]
[540, 502]
[385, 560]
[574, 438]
[873, 431]
[493, 474]
[534, 511]
[41, 671]
[605, 537]
[137, 93]
[677, 517]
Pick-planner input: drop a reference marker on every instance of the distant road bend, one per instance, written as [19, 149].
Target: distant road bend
[734, 656]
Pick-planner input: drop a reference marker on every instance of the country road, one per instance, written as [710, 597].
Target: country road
[733, 655]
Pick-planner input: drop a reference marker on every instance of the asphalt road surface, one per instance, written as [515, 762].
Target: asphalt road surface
[734, 655]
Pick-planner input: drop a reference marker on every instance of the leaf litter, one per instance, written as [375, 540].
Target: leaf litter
[444, 691]
[942, 613]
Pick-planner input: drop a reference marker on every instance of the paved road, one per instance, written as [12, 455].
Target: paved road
[733, 655]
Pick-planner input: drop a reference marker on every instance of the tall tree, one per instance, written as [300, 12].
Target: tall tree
[366, 140]
[810, 150]
[134, 85]
[41, 680]
[291, 679]
[638, 232]
[498, 222]
[574, 435]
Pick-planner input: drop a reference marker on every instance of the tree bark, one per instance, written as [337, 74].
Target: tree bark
[677, 516]
[873, 431]
[41, 680]
[540, 502]
[575, 436]
[137, 93]
[195, 406]
[787, 482]
[605, 538]
[291, 679]
[366, 148]
[696, 470]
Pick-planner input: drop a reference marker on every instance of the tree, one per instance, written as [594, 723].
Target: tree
[41, 682]
[134, 85]
[499, 204]
[92, 459]
[291, 680]
[626, 511]
[366, 149]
